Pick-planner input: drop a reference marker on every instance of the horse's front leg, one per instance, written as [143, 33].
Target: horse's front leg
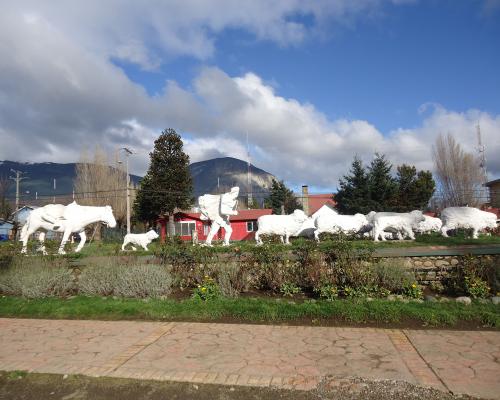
[83, 239]
[65, 238]
[41, 239]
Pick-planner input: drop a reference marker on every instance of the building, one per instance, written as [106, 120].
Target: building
[244, 225]
[5, 229]
[494, 189]
[313, 202]
[21, 215]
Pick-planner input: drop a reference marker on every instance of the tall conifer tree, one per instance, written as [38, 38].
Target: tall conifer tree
[168, 185]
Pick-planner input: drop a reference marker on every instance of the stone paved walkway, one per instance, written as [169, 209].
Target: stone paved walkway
[255, 355]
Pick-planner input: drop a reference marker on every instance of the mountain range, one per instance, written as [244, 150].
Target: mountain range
[211, 176]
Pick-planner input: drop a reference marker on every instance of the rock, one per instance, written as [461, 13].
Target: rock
[417, 263]
[442, 263]
[428, 264]
[65, 376]
[391, 297]
[399, 297]
[464, 300]
[430, 298]
[369, 299]
[444, 300]
[483, 301]
[417, 300]
[495, 300]
[454, 261]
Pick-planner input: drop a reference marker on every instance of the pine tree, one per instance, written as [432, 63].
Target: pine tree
[354, 193]
[280, 196]
[414, 189]
[168, 184]
[383, 187]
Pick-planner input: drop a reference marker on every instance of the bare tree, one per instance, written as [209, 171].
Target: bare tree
[5, 206]
[98, 184]
[458, 173]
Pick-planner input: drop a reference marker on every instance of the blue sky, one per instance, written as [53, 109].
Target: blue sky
[382, 69]
[312, 83]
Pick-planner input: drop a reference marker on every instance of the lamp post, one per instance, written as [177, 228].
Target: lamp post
[128, 152]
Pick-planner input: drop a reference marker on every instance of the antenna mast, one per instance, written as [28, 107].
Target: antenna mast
[482, 160]
[249, 181]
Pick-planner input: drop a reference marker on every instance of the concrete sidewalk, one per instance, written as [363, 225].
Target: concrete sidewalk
[254, 355]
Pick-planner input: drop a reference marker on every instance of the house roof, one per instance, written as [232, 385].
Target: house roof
[491, 183]
[316, 201]
[23, 208]
[243, 215]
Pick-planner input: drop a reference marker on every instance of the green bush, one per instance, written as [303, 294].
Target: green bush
[327, 291]
[37, 277]
[474, 276]
[207, 290]
[139, 281]
[390, 274]
[289, 289]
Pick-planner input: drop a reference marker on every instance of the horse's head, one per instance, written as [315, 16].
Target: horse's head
[108, 218]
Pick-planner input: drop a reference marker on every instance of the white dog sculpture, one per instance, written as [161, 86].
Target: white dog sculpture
[139, 239]
[218, 209]
[69, 219]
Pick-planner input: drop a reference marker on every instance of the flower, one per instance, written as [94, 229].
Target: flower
[413, 286]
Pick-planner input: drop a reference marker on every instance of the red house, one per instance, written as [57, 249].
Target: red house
[244, 225]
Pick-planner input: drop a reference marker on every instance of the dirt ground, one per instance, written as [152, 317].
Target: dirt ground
[23, 386]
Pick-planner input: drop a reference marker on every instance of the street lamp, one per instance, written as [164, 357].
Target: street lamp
[128, 152]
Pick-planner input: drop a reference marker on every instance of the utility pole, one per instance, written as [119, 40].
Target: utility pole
[128, 152]
[54, 198]
[482, 164]
[18, 178]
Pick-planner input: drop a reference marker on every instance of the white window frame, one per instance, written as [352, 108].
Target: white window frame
[254, 226]
[184, 223]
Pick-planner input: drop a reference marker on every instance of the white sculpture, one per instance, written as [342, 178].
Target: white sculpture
[467, 218]
[282, 225]
[69, 219]
[430, 224]
[218, 209]
[307, 229]
[139, 239]
[348, 224]
[399, 222]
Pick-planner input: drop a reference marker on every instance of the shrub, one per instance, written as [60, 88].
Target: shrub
[125, 281]
[476, 287]
[327, 291]
[391, 275]
[36, 278]
[414, 291]
[233, 278]
[289, 289]
[207, 290]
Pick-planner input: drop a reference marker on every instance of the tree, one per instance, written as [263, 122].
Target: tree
[354, 193]
[458, 173]
[414, 189]
[375, 189]
[5, 207]
[282, 197]
[168, 185]
[98, 184]
[383, 187]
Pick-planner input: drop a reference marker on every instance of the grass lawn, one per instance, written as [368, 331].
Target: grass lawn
[382, 313]
[111, 249]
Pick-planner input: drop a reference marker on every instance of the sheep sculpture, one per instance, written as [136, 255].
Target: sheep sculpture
[336, 223]
[467, 218]
[283, 225]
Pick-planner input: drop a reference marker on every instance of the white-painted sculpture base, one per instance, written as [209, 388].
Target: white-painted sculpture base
[218, 209]
[139, 239]
[69, 219]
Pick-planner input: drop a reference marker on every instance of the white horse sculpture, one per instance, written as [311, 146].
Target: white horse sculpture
[69, 219]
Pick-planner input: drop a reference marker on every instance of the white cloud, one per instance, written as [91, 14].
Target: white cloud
[59, 90]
